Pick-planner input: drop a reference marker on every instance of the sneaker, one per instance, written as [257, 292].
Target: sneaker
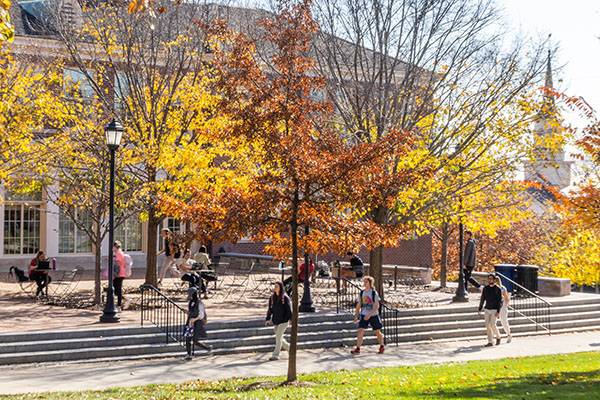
[273, 358]
[498, 341]
[509, 339]
[210, 350]
[381, 349]
[355, 351]
[126, 304]
[119, 309]
[489, 345]
[187, 357]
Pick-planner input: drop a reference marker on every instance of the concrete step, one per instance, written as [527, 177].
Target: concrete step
[86, 353]
[81, 343]
[77, 334]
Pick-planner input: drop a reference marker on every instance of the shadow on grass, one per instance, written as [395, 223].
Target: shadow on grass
[575, 385]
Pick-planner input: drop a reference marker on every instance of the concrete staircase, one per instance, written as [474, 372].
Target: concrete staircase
[445, 323]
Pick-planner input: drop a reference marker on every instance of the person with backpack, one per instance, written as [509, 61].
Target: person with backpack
[194, 328]
[119, 276]
[280, 313]
[368, 309]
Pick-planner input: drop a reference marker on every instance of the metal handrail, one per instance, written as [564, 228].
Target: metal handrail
[524, 289]
[164, 313]
[540, 312]
[389, 316]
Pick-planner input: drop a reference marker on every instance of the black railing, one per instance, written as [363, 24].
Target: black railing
[529, 305]
[348, 296]
[164, 313]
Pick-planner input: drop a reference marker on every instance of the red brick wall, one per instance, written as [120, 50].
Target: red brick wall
[415, 252]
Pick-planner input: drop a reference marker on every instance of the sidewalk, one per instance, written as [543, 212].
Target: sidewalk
[96, 376]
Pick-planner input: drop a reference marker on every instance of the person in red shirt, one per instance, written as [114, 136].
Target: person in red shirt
[41, 277]
[301, 271]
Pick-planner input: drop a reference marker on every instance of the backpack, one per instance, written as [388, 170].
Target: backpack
[20, 274]
[128, 265]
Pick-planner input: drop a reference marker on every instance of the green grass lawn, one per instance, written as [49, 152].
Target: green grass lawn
[563, 376]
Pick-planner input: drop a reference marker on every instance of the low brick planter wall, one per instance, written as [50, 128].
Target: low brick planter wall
[404, 271]
[547, 286]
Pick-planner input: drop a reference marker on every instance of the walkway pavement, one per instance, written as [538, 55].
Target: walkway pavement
[96, 376]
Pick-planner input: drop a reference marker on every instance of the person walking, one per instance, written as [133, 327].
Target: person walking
[492, 297]
[195, 324]
[368, 309]
[470, 260]
[504, 310]
[166, 235]
[280, 314]
[119, 276]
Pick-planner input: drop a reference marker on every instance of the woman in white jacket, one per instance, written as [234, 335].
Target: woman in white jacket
[504, 310]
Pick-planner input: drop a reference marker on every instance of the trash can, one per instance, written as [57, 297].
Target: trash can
[509, 271]
[527, 276]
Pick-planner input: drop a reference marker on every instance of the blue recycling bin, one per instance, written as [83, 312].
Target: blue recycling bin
[509, 271]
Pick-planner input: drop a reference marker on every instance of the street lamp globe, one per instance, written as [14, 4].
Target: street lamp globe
[114, 132]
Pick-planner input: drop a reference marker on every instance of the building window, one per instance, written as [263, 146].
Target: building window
[173, 224]
[22, 223]
[129, 233]
[77, 85]
[72, 239]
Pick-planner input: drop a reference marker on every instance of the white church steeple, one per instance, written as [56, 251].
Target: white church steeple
[551, 168]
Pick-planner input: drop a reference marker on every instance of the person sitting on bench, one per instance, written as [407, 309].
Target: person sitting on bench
[40, 276]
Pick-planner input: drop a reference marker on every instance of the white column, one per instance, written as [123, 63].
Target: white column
[52, 225]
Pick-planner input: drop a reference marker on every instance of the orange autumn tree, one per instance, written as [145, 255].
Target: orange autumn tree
[305, 174]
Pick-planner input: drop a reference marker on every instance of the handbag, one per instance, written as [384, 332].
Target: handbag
[188, 332]
[105, 273]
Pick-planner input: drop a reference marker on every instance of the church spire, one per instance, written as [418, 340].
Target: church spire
[548, 106]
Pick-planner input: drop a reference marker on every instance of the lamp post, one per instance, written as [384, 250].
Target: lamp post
[306, 304]
[461, 295]
[114, 132]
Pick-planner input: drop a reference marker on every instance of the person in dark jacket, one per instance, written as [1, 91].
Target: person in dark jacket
[280, 313]
[470, 260]
[492, 297]
[196, 319]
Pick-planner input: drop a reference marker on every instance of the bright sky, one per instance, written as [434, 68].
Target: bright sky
[575, 27]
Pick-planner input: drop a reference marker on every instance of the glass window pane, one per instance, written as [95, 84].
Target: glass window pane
[134, 234]
[84, 243]
[31, 229]
[12, 229]
[66, 234]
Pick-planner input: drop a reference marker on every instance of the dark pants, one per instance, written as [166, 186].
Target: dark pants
[42, 280]
[287, 284]
[118, 284]
[199, 332]
[468, 278]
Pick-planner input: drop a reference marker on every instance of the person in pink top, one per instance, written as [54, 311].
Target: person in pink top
[119, 276]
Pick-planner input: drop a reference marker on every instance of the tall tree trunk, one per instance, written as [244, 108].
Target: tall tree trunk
[376, 268]
[376, 254]
[444, 261]
[152, 235]
[292, 373]
[97, 265]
